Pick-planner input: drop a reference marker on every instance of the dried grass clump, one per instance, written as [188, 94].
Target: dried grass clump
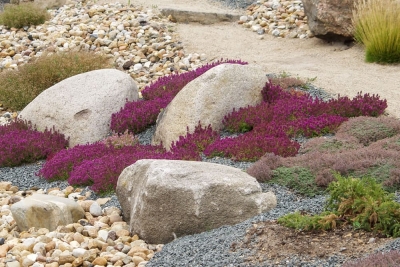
[369, 129]
[25, 14]
[376, 25]
[19, 87]
[287, 82]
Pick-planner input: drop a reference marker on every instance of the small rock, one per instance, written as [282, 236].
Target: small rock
[95, 209]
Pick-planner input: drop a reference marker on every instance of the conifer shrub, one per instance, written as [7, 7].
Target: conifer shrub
[19, 87]
[137, 116]
[21, 143]
[378, 259]
[375, 24]
[360, 202]
[369, 129]
[24, 14]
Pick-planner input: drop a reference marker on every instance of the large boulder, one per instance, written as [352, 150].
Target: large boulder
[165, 199]
[45, 211]
[81, 106]
[330, 19]
[208, 99]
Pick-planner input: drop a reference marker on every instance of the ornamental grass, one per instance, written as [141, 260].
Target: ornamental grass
[376, 26]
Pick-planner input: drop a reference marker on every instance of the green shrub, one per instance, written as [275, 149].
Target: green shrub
[26, 14]
[376, 26]
[297, 178]
[19, 87]
[359, 202]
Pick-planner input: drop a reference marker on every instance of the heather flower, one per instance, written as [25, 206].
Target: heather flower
[21, 143]
[102, 173]
[60, 165]
[190, 146]
[137, 116]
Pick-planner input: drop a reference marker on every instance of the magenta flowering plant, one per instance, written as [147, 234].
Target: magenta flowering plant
[190, 146]
[137, 116]
[21, 143]
[102, 173]
[60, 165]
[251, 146]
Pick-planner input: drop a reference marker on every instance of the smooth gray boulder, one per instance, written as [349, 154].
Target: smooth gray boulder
[81, 106]
[165, 199]
[208, 98]
[45, 211]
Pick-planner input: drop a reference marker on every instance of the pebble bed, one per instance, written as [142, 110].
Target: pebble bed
[150, 43]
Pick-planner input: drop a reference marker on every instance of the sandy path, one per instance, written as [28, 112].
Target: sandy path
[338, 71]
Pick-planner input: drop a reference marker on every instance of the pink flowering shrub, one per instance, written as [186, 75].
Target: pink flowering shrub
[60, 165]
[102, 173]
[378, 259]
[21, 143]
[250, 147]
[190, 146]
[137, 116]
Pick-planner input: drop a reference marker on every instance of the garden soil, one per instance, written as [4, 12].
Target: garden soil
[335, 67]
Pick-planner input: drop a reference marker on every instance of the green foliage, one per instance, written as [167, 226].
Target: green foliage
[25, 14]
[375, 25]
[362, 203]
[19, 87]
[297, 178]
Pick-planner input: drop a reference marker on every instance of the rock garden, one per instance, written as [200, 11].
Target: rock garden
[118, 149]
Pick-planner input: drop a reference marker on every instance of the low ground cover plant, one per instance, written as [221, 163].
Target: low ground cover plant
[375, 25]
[21, 143]
[25, 14]
[379, 259]
[359, 202]
[19, 87]
[344, 153]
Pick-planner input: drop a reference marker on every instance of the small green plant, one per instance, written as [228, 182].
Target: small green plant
[25, 14]
[362, 203]
[19, 87]
[297, 178]
[375, 24]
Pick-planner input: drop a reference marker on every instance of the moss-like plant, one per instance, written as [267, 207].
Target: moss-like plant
[362, 203]
[376, 25]
[19, 87]
[297, 178]
[25, 14]
[369, 129]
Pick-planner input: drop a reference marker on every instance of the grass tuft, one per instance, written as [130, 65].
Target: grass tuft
[376, 25]
[19, 87]
[25, 14]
